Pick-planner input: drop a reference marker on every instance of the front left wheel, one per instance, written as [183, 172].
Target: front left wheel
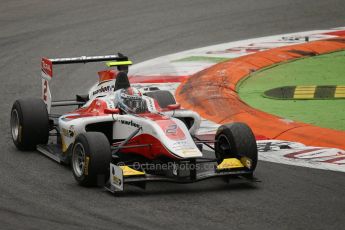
[91, 157]
[236, 140]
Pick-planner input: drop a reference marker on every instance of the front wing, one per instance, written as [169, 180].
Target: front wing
[122, 175]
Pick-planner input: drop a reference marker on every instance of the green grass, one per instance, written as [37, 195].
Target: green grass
[328, 69]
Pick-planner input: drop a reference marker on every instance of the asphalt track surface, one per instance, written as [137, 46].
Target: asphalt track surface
[37, 193]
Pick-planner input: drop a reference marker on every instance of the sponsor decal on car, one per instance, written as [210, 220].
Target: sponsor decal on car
[171, 129]
[130, 123]
[86, 166]
[104, 89]
[116, 177]
[116, 180]
[46, 66]
[189, 151]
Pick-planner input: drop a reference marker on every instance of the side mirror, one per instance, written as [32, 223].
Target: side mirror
[174, 106]
[111, 111]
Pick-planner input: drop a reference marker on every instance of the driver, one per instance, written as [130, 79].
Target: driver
[130, 100]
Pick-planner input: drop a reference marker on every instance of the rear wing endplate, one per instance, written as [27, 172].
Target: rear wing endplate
[120, 61]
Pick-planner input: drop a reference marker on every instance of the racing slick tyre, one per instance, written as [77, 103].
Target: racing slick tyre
[163, 97]
[29, 123]
[236, 140]
[91, 156]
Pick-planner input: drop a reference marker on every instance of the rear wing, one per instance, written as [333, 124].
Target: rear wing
[120, 61]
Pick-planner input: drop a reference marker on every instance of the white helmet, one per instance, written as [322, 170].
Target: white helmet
[131, 101]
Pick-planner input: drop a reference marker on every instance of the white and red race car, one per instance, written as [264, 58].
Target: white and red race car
[124, 135]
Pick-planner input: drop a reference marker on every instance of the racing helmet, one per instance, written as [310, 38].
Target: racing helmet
[131, 101]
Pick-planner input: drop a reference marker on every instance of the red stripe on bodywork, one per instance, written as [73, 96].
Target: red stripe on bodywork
[154, 150]
[96, 108]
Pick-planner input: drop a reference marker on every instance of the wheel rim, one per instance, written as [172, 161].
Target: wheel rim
[223, 149]
[78, 159]
[223, 145]
[15, 124]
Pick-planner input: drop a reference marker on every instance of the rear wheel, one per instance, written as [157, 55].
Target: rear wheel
[91, 157]
[236, 140]
[163, 97]
[29, 123]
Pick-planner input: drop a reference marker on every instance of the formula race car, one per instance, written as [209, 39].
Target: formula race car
[120, 134]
